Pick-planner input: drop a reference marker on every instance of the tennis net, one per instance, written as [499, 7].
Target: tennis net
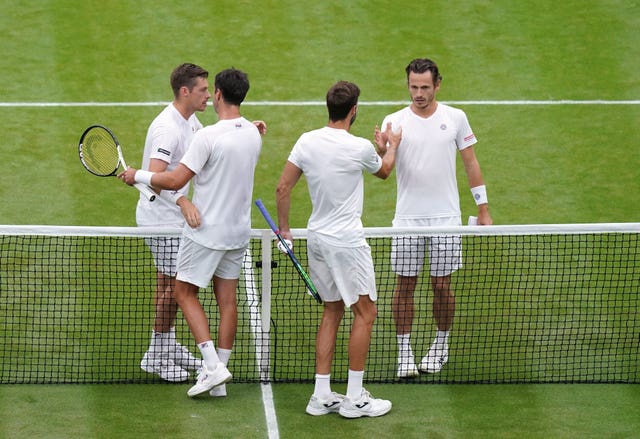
[534, 304]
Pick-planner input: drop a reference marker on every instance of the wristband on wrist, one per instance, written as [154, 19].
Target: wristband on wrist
[143, 177]
[480, 194]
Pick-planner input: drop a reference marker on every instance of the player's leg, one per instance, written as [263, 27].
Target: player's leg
[160, 358]
[355, 277]
[358, 401]
[407, 259]
[196, 266]
[444, 302]
[324, 400]
[213, 372]
[446, 257]
[225, 292]
[443, 312]
[164, 325]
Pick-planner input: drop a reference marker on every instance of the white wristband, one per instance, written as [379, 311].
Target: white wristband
[480, 194]
[143, 177]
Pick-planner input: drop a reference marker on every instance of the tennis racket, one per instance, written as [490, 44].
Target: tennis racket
[100, 154]
[303, 274]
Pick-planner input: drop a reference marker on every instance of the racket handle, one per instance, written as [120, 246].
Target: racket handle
[146, 191]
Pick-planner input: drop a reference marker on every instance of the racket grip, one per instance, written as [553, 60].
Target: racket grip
[146, 191]
[265, 214]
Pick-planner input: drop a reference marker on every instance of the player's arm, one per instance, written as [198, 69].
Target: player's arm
[172, 180]
[288, 179]
[476, 183]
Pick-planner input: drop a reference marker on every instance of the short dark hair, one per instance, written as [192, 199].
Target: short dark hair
[423, 65]
[233, 84]
[341, 98]
[185, 75]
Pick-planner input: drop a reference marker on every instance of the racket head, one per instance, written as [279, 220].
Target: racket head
[99, 151]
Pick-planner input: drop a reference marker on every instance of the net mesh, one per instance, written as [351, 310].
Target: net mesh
[76, 306]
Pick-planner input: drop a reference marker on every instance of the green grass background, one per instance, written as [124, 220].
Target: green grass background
[542, 164]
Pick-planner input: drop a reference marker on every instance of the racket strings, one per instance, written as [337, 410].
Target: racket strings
[99, 152]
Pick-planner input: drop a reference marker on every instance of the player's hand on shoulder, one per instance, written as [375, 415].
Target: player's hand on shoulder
[261, 125]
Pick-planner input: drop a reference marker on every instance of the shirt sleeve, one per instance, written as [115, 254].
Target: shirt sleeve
[465, 137]
[370, 158]
[164, 143]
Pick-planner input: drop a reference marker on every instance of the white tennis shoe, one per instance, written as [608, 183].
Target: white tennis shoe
[218, 391]
[162, 365]
[319, 407]
[208, 379]
[435, 359]
[185, 359]
[364, 406]
[407, 367]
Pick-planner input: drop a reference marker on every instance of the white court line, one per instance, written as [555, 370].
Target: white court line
[261, 339]
[322, 103]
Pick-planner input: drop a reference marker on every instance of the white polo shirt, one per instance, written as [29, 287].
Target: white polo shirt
[333, 161]
[223, 156]
[168, 138]
[426, 161]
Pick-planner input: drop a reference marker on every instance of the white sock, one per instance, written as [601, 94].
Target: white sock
[354, 385]
[224, 355]
[171, 335]
[159, 342]
[404, 345]
[209, 355]
[322, 388]
[442, 337]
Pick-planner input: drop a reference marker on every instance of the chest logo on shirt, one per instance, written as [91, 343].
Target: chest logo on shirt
[443, 127]
[164, 151]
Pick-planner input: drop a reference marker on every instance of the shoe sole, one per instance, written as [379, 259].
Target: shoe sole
[353, 414]
[427, 369]
[408, 374]
[318, 412]
[144, 365]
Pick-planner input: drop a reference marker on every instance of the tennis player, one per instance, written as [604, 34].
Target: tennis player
[222, 157]
[167, 139]
[427, 195]
[340, 263]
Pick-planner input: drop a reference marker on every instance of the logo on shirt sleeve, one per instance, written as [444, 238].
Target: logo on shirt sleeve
[469, 137]
[164, 151]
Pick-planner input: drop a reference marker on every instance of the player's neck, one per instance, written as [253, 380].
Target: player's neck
[183, 110]
[425, 111]
[343, 124]
[226, 112]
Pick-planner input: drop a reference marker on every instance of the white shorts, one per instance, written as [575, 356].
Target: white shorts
[165, 252]
[408, 252]
[198, 264]
[341, 273]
